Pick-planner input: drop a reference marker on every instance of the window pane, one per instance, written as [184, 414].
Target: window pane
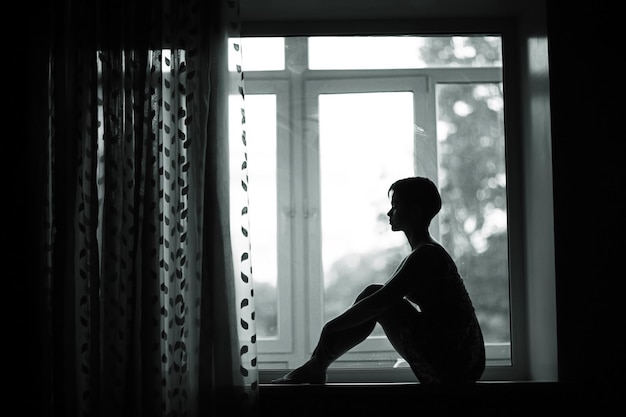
[398, 52]
[364, 52]
[472, 179]
[366, 143]
[261, 149]
[257, 54]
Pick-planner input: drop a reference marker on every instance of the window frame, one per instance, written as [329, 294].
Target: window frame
[518, 206]
[311, 80]
[280, 88]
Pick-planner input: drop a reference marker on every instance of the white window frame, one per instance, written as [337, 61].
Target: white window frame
[298, 217]
[285, 213]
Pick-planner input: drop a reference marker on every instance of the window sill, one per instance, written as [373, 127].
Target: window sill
[485, 398]
[400, 375]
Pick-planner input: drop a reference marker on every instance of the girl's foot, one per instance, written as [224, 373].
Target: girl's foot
[306, 374]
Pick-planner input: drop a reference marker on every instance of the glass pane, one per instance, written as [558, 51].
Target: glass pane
[364, 52]
[261, 133]
[472, 179]
[257, 54]
[398, 52]
[366, 143]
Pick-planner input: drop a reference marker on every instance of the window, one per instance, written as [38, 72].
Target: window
[331, 122]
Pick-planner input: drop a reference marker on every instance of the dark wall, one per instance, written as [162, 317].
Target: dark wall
[587, 144]
[22, 207]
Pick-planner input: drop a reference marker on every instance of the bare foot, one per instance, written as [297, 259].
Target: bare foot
[306, 374]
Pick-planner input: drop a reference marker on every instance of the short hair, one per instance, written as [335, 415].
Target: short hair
[419, 191]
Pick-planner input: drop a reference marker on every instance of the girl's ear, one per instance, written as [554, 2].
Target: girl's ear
[417, 213]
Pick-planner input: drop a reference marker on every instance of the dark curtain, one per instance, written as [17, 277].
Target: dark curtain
[142, 305]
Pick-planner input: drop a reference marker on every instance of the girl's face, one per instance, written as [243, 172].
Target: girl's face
[401, 216]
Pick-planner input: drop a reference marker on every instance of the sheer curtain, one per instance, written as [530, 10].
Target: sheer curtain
[146, 309]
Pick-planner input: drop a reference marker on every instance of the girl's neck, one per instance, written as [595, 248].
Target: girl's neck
[418, 237]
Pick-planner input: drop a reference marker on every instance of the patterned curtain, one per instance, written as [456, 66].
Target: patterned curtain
[147, 304]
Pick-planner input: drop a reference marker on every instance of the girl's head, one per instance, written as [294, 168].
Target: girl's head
[417, 191]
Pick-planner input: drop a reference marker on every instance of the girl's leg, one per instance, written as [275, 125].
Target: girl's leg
[400, 324]
[431, 359]
[406, 331]
[330, 347]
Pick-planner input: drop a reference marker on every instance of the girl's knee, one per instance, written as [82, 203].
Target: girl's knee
[369, 290]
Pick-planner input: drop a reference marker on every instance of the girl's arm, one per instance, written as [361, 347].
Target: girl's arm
[419, 264]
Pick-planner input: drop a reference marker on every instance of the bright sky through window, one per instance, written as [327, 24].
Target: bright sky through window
[365, 52]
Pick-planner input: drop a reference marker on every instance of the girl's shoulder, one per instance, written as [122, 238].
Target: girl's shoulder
[431, 253]
[430, 248]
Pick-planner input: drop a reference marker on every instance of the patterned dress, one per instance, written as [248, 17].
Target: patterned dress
[443, 341]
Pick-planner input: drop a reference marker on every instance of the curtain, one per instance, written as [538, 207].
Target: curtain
[145, 296]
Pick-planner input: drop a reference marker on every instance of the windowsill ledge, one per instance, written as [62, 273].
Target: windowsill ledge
[485, 398]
